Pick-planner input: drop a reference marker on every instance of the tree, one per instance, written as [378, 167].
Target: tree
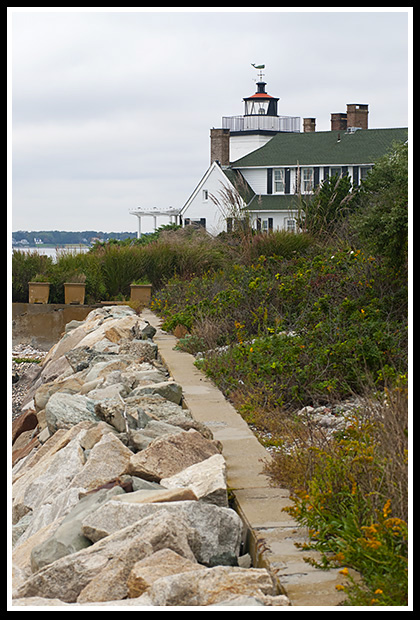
[381, 219]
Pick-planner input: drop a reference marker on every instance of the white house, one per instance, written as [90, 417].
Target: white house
[263, 163]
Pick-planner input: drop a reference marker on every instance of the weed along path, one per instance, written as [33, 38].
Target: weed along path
[272, 533]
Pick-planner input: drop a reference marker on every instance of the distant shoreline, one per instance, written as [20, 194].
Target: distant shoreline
[59, 246]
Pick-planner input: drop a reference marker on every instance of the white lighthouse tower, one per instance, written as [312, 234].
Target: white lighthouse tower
[259, 123]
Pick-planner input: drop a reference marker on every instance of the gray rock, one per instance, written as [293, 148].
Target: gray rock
[156, 406]
[144, 350]
[105, 392]
[71, 384]
[68, 537]
[218, 530]
[47, 496]
[148, 332]
[113, 412]
[102, 569]
[66, 410]
[140, 439]
[169, 390]
[19, 528]
[139, 483]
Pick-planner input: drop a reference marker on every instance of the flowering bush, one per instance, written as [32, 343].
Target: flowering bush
[355, 511]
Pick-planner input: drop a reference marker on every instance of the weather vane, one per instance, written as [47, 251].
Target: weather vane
[260, 68]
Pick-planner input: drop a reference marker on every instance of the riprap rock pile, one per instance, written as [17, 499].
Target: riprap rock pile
[118, 495]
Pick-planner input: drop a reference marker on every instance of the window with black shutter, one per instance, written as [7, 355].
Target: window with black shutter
[287, 181]
[355, 175]
[269, 180]
[316, 177]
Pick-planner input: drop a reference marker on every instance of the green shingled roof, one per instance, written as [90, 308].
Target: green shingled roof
[364, 146]
[270, 202]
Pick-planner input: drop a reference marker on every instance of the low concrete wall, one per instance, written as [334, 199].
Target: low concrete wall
[272, 532]
[41, 325]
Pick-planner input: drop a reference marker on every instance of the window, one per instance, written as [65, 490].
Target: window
[307, 179]
[205, 195]
[290, 225]
[279, 180]
[254, 106]
[335, 172]
[196, 223]
[364, 171]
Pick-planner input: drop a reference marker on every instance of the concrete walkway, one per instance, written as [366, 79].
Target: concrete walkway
[272, 533]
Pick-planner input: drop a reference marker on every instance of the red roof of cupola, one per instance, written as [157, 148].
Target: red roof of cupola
[263, 95]
[260, 94]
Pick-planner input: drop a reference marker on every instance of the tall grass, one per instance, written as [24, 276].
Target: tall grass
[111, 268]
[25, 267]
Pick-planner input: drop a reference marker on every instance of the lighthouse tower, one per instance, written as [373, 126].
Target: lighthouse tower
[241, 135]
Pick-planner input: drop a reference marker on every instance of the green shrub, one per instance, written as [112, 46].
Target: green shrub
[278, 243]
[71, 266]
[381, 221]
[120, 266]
[25, 266]
[323, 212]
[349, 323]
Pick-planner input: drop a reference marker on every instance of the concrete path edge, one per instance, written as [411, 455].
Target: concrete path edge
[272, 534]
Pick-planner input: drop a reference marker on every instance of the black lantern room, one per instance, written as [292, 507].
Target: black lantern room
[261, 103]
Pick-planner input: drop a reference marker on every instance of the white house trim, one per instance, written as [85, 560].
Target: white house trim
[202, 206]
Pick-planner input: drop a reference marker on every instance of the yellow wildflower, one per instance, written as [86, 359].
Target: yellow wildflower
[344, 571]
[387, 509]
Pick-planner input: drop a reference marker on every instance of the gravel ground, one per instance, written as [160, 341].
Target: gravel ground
[25, 360]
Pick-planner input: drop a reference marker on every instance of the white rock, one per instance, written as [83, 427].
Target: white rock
[218, 530]
[207, 479]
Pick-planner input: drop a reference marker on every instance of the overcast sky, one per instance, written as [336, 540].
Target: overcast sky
[112, 108]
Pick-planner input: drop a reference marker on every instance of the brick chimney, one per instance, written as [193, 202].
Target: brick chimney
[219, 146]
[338, 121]
[309, 125]
[357, 115]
